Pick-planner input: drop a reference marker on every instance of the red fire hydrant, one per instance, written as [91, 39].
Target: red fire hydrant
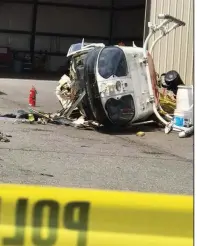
[32, 97]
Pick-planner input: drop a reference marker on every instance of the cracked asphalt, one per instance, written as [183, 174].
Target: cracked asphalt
[64, 156]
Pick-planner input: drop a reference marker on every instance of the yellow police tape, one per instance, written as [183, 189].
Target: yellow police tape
[44, 216]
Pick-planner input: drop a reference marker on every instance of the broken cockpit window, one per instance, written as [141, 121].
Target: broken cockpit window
[112, 61]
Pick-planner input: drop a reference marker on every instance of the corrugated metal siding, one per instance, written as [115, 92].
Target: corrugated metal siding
[68, 20]
[175, 51]
[128, 23]
[101, 3]
[15, 41]
[73, 21]
[129, 3]
[14, 16]
[83, 22]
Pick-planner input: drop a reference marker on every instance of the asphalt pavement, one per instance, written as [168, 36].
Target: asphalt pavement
[64, 156]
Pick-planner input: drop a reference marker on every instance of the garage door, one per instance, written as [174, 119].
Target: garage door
[35, 29]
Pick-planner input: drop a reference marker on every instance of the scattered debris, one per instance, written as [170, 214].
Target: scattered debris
[36, 117]
[4, 137]
[11, 116]
[7, 119]
[21, 114]
[31, 118]
[47, 175]
[189, 132]
[140, 134]
[42, 121]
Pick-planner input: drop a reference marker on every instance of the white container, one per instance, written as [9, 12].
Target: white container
[178, 118]
[184, 99]
[188, 118]
[183, 114]
[183, 118]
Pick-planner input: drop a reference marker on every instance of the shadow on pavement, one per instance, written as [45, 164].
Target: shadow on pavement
[152, 127]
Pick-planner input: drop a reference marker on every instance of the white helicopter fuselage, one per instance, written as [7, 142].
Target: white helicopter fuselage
[133, 83]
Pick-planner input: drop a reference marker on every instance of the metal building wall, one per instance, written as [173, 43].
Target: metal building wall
[87, 22]
[72, 21]
[31, 26]
[175, 51]
[15, 17]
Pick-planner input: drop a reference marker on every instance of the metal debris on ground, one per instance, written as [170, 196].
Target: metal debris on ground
[42, 121]
[36, 117]
[7, 119]
[82, 124]
[21, 114]
[4, 137]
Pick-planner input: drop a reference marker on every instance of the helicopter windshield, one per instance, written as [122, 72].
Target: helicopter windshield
[112, 61]
[74, 48]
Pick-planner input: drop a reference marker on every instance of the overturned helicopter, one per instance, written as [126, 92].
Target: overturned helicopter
[108, 84]
[114, 85]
